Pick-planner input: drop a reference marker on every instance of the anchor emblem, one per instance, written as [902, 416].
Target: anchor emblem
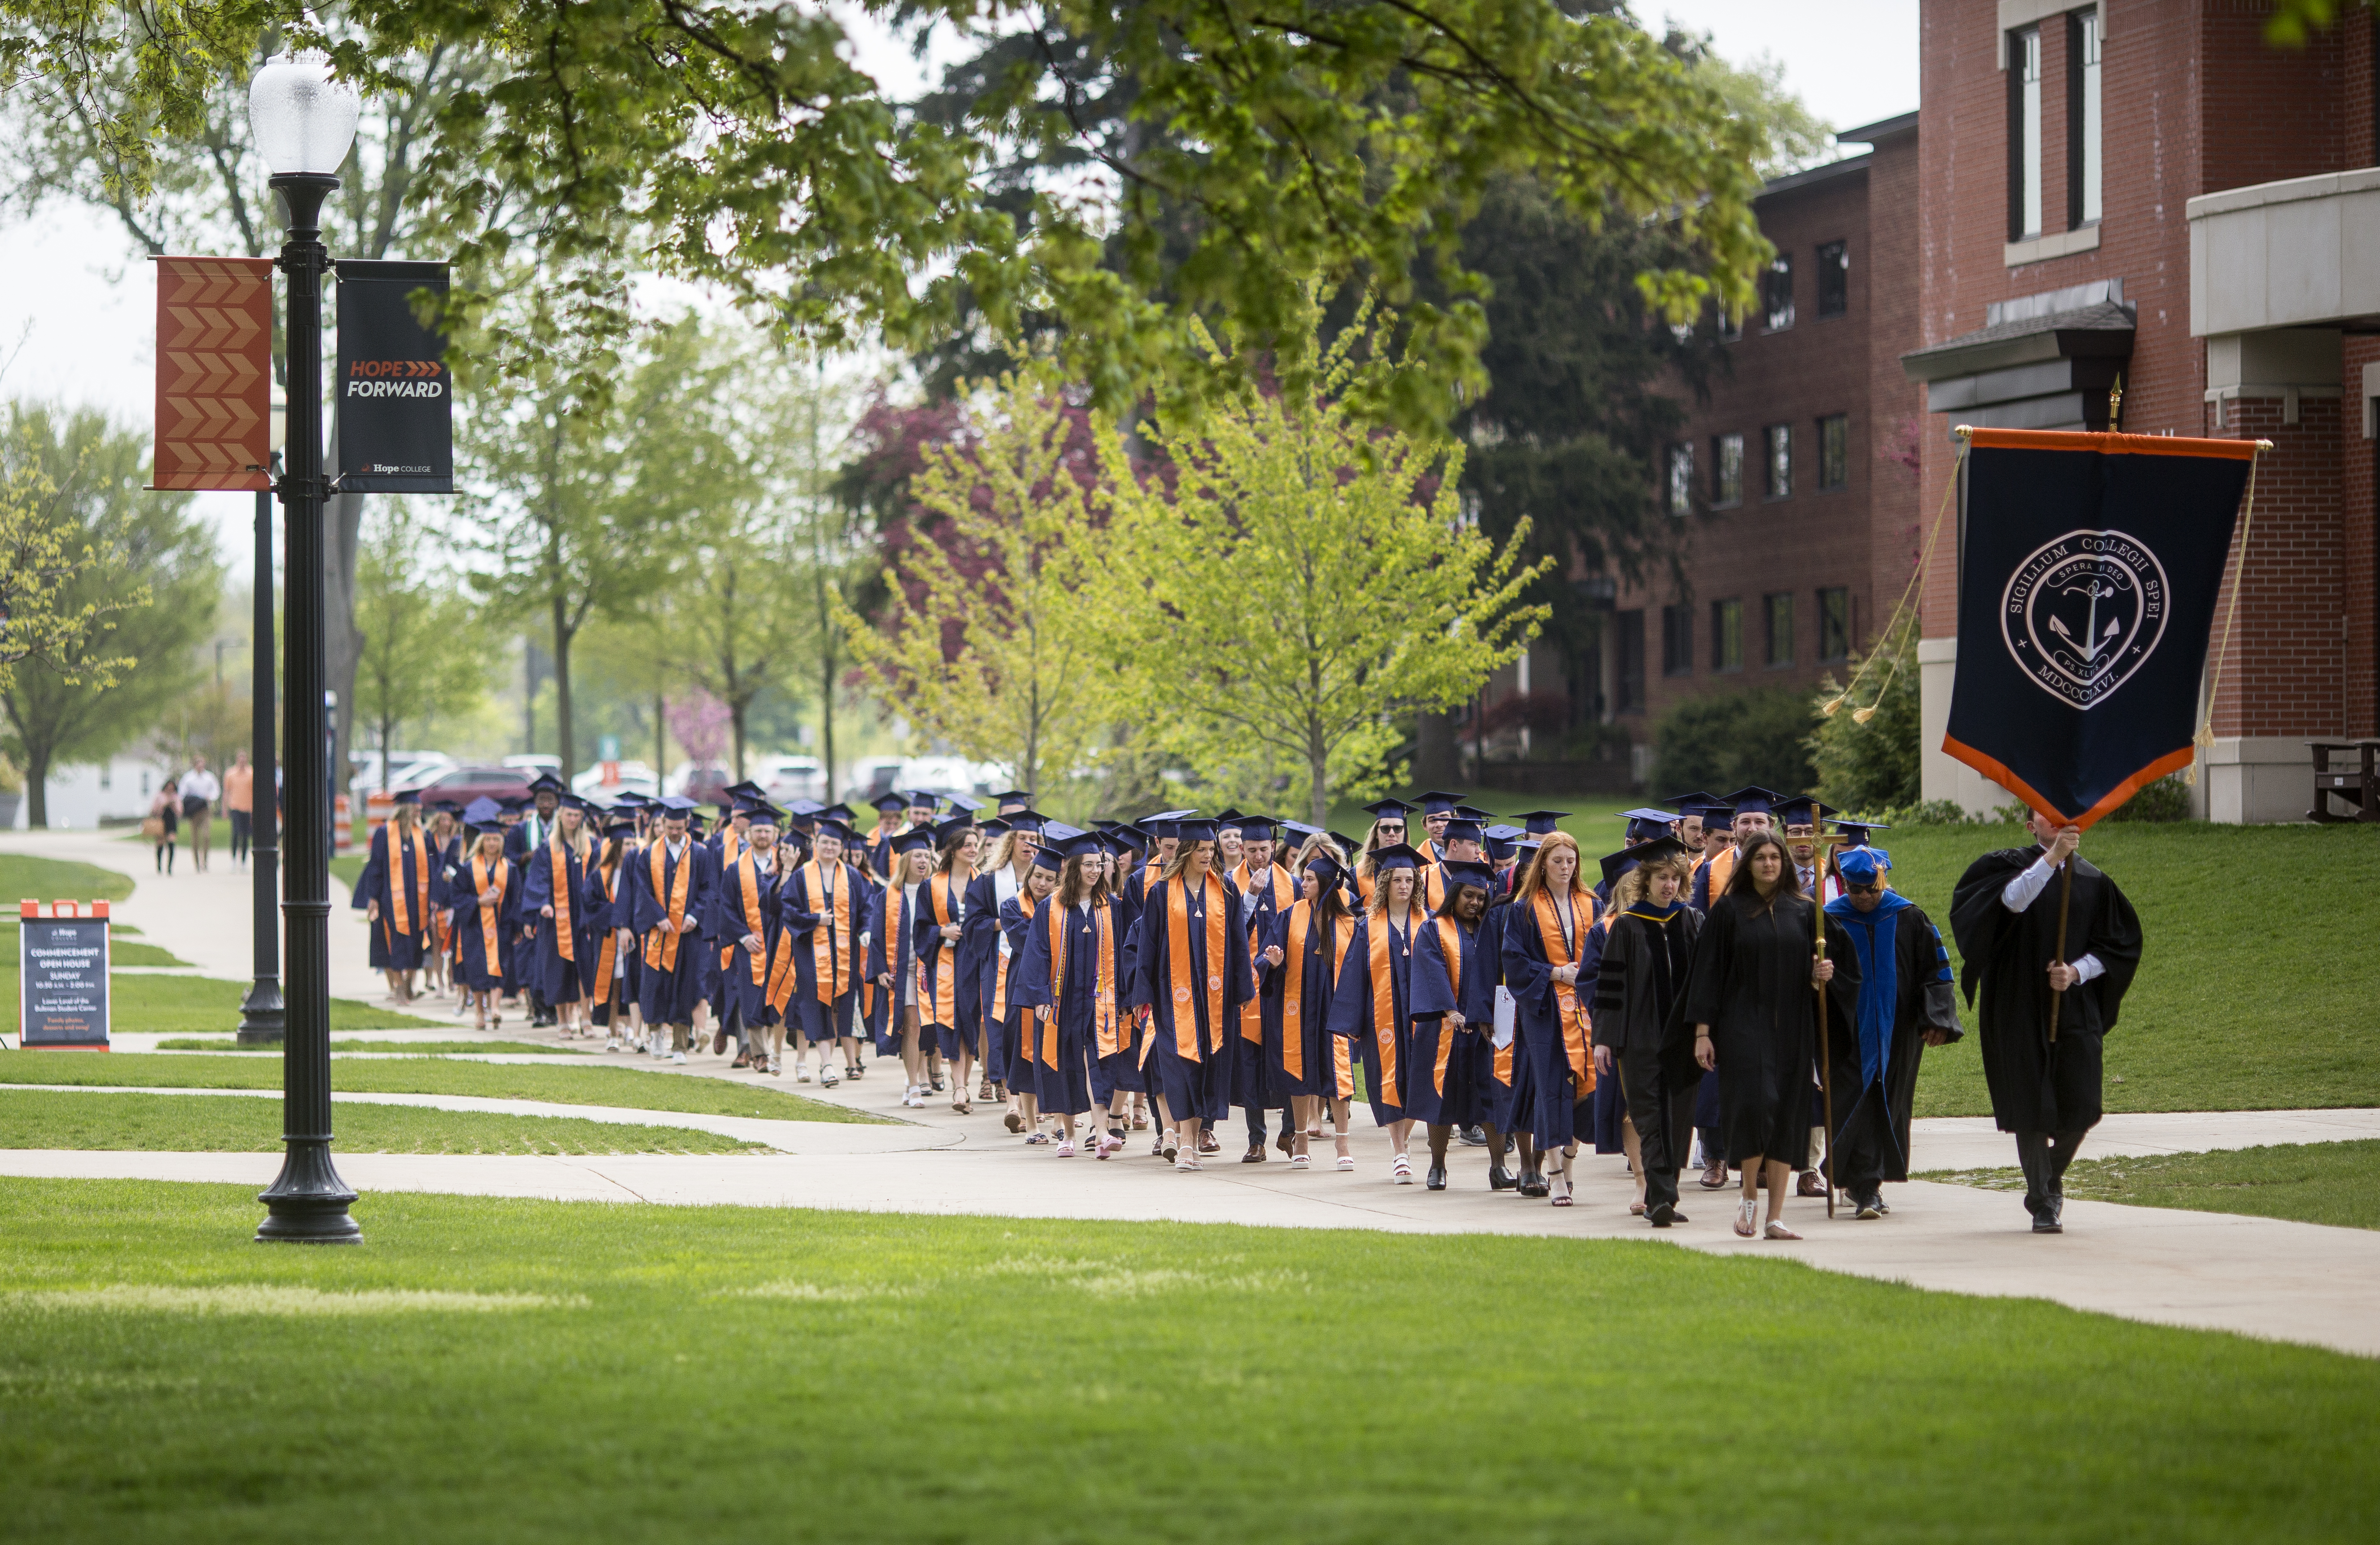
[2082, 613]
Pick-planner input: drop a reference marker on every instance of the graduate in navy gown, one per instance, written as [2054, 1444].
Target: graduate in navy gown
[1070, 980]
[1191, 972]
[946, 1000]
[394, 892]
[1118, 1083]
[892, 941]
[998, 877]
[827, 902]
[744, 926]
[1454, 1011]
[1546, 960]
[1012, 1020]
[553, 887]
[484, 915]
[1312, 1068]
[1373, 1004]
[1265, 891]
[604, 908]
[671, 885]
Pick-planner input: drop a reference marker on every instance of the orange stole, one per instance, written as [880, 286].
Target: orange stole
[400, 920]
[1104, 1022]
[833, 939]
[895, 897]
[610, 947]
[480, 885]
[1722, 868]
[748, 878]
[1179, 973]
[660, 944]
[1450, 944]
[940, 998]
[1276, 880]
[1569, 1012]
[1293, 985]
[1384, 999]
[1000, 962]
[557, 858]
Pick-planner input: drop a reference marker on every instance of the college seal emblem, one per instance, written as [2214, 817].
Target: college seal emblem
[2082, 613]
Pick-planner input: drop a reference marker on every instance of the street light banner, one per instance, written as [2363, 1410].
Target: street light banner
[394, 393]
[215, 374]
[2089, 567]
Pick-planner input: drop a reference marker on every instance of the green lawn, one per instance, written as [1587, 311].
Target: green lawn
[621, 1087]
[516, 1370]
[2308, 1183]
[48, 880]
[2256, 984]
[215, 1124]
[173, 1004]
[407, 1048]
[349, 867]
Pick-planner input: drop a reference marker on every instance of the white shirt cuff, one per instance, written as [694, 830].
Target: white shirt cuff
[2087, 967]
[2019, 892]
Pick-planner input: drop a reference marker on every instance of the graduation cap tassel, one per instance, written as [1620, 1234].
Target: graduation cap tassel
[2205, 738]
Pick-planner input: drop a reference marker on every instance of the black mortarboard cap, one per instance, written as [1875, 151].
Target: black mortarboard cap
[1388, 809]
[1542, 823]
[1400, 855]
[1751, 799]
[1438, 802]
[1463, 871]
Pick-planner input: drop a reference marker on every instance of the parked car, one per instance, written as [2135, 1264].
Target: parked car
[463, 784]
[365, 777]
[702, 782]
[636, 775]
[787, 779]
[534, 763]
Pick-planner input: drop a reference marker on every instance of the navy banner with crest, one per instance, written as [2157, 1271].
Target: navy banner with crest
[2088, 576]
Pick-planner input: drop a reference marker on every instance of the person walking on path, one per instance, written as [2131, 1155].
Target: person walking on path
[2048, 1001]
[165, 821]
[199, 792]
[239, 805]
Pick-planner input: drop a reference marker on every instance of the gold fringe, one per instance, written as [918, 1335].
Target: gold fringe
[2205, 738]
[1907, 597]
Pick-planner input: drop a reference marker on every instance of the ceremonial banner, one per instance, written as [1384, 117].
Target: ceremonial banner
[214, 373]
[2089, 568]
[396, 431]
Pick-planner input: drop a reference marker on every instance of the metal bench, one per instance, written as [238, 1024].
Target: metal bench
[2356, 781]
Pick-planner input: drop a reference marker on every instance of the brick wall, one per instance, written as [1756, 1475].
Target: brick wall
[2269, 113]
[2283, 672]
[2359, 546]
[1896, 413]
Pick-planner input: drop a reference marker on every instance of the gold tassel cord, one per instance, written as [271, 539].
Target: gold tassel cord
[1908, 596]
[2205, 738]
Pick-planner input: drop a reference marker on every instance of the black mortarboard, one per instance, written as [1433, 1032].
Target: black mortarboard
[546, 783]
[1463, 871]
[1025, 821]
[480, 811]
[620, 829]
[1229, 816]
[408, 796]
[1804, 810]
[916, 839]
[765, 814]
[1301, 832]
[1328, 869]
[1438, 802]
[747, 789]
[1541, 822]
[1346, 844]
[1195, 831]
[677, 804]
[1397, 857]
[995, 826]
[1388, 809]
[1859, 831]
[888, 802]
[1696, 797]
[1256, 828]
[952, 830]
[839, 831]
[922, 799]
[1751, 799]
[965, 802]
[1458, 828]
[1049, 856]
[482, 828]
[1012, 796]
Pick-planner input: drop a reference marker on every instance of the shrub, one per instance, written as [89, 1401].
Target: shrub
[1873, 763]
[2167, 800]
[1720, 743]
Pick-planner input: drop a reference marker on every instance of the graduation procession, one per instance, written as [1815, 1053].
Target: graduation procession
[1736, 992]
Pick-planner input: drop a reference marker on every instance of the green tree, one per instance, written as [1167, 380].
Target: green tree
[1303, 581]
[1866, 752]
[139, 580]
[423, 654]
[992, 642]
[1727, 740]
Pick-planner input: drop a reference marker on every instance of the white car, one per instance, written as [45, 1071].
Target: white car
[787, 779]
[534, 763]
[403, 767]
[631, 774]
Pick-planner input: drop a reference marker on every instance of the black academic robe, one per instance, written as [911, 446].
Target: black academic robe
[2037, 1087]
[1750, 982]
[1639, 978]
[1904, 984]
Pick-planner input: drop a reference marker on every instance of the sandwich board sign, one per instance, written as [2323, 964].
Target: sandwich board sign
[62, 957]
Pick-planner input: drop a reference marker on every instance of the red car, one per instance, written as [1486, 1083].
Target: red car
[459, 786]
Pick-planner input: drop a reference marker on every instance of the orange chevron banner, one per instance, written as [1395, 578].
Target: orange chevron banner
[215, 374]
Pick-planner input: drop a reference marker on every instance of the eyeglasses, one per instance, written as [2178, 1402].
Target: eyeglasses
[1388, 826]
[1877, 889]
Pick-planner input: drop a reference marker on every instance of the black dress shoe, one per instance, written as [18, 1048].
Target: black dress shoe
[2047, 1225]
[1501, 1179]
[1660, 1214]
[1474, 1137]
[1436, 1179]
[1533, 1185]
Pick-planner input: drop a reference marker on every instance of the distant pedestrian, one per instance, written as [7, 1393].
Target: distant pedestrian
[165, 821]
[199, 792]
[239, 804]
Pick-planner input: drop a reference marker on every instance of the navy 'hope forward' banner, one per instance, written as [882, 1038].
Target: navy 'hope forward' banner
[2089, 570]
[394, 393]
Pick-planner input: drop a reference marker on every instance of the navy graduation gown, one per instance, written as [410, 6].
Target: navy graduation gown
[1189, 1055]
[1355, 1012]
[413, 871]
[555, 979]
[670, 983]
[1445, 1086]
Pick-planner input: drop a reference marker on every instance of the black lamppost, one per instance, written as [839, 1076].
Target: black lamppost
[303, 123]
[260, 1011]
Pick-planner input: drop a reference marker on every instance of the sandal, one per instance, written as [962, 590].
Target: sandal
[1036, 1139]
[1743, 1219]
[963, 1107]
[1635, 1208]
[1777, 1230]
[1170, 1145]
[1140, 1121]
[1066, 1147]
[1300, 1162]
[1015, 1123]
[1401, 1170]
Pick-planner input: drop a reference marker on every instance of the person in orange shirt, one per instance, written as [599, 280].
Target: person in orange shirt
[240, 803]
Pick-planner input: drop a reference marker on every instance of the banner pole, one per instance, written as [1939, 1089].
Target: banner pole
[2065, 897]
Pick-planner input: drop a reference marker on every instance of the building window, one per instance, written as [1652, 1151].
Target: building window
[2025, 134]
[144, 783]
[1779, 446]
[1678, 492]
[1730, 326]
[1834, 278]
[106, 776]
[1677, 641]
[1631, 671]
[1834, 623]
[1727, 469]
[2081, 119]
[1779, 610]
[1777, 291]
[1834, 451]
[1727, 634]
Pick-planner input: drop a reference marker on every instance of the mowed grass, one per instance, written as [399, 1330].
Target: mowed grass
[619, 1088]
[516, 1370]
[182, 1004]
[2308, 1183]
[2258, 977]
[228, 1124]
[405, 1048]
[49, 879]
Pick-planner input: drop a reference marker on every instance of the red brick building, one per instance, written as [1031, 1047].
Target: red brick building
[2148, 187]
[1796, 475]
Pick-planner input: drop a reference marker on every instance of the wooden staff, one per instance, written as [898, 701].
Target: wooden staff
[1821, 856]
[2065, 896]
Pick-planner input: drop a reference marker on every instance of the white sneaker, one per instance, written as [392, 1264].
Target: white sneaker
[801, 1073]
[677, 1056]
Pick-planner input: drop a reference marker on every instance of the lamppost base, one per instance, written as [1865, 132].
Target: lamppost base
[308, 1205]
[261, 1020]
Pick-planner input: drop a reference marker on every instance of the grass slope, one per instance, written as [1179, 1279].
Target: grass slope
[47, 880]
[201, 1124]
[2252, 994]
[405, 1048]
[620, 1087]
[2307, 1183]
[180, 1004]
[728, 1374]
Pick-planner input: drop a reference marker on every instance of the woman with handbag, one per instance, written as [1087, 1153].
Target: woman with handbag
[165, 821]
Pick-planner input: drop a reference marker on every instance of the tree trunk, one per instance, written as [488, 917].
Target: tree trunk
[562, 727]
[736, 733]
[37, 787]
[1437, 758]
[661, 737]
[826, 717]
[1317, 767]
[388, 738]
